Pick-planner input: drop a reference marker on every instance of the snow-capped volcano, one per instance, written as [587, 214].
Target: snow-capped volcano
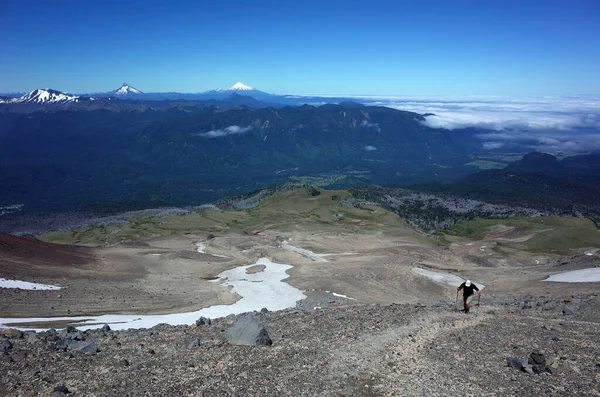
[45, 96]
[240, 87]
[126, 89]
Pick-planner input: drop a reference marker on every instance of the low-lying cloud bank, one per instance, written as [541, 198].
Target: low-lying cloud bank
[547, 124]
[231, 130]
[547, 141]
[496, 113]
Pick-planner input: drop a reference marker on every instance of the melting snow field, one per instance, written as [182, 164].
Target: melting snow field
[577, 276]
[305, 253]
[258, 290]
[4, 283]
[343, 296]
[444, 278]
[200, 248]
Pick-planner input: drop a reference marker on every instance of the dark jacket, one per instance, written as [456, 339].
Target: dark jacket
[468, 291]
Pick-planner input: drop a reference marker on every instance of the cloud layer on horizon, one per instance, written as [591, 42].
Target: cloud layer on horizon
[567, 124]
[495, 113]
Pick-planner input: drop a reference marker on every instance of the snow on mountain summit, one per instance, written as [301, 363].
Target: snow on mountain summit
[46, 96]
[126, 89]
[240, 87]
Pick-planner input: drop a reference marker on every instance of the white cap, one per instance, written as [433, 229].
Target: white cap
[468, 283]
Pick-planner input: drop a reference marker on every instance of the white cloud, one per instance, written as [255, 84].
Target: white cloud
[370, 148]
[368, 124]
[548, 124]
[231, 130]
[497, 113]
[543, 141]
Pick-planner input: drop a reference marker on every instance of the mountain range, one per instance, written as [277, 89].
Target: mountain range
[192, 154]
[61, 151]
[128, 92]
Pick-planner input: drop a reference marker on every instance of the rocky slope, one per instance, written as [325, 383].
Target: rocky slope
[323, 348]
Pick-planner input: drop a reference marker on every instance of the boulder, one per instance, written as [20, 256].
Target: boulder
[203, 321]
[19, 356]
[548, 306]
[249, 332]
[537, 358]
[33, 338]
[64, 343]
[519, 363]
[554, 366]
[12, 333]
[570, 309]
[5, 346]
[61, 389]
[194, 343]
[77, 335]
[84, 347]
[515, 362]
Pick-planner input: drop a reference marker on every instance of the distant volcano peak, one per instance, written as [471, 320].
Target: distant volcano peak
[126, 89]
[240, 87]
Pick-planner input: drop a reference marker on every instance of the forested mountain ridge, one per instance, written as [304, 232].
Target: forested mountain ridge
[187, 155]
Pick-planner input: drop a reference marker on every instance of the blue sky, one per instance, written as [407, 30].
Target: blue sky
[437, 47]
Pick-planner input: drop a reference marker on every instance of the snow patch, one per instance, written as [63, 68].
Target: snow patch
[126, 89]
[591, 275]
[200, 247]
[45, 96]
[304, 252]
[342, 296]
[444, 278]
[4, 283]
[258, 290]
[240, 87]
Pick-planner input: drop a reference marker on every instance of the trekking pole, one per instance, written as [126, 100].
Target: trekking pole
[456, 302]
[478, 300]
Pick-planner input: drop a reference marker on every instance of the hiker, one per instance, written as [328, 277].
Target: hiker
[468, 287]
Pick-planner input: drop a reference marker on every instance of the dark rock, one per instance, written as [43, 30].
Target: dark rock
[77, 335]
[64, 343]
[203, 321]
[518, 363]
[84, 347]
[264, 310]
[537, 357]
[570, 309]
[19, 356]
[61, 389]
[538, 369]
[105, 328]
[70, 329]
[548, 306]
[33, 338]
[515, 362]
[194, 344]
[5, 346]
[247, 331]
[528, 368]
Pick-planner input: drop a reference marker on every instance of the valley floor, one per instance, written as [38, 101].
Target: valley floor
[370, 324]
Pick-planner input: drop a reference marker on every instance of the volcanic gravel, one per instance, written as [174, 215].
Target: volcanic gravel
[334, 350]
